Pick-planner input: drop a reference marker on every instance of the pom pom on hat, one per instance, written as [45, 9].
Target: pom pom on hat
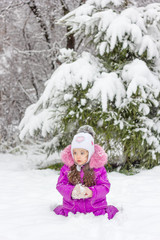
[87, 129]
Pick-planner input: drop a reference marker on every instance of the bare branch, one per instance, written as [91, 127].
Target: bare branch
[11, 6]
[25, 92]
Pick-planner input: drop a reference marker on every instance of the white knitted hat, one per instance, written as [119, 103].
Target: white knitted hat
[85, 141]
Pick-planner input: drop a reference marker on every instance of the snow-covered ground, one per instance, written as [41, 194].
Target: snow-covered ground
[28, 196]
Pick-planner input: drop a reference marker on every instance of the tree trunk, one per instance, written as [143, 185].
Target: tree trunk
[32, 5]
[70, 38]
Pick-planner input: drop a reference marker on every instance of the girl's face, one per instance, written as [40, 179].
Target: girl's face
[80, 156]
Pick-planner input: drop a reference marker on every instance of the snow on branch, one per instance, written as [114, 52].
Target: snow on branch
[138, 75]
[105, 3]
[107, 87]
[148, 44]
[151, 13]
[108, 28]
[82, 71]
[47, 112]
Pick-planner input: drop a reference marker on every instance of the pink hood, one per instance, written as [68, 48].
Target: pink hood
[98, 159]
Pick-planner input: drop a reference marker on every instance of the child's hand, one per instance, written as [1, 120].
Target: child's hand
[78, 191]
[81, 192]
[88, 193]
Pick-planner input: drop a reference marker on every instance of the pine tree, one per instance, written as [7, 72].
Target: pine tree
[115, 88]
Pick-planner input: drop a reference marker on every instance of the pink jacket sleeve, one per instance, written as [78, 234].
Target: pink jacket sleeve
[63, 185]
[102, 186]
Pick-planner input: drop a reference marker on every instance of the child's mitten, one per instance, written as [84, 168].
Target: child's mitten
[78, 192]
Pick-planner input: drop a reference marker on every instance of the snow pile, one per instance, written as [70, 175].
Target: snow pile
[28, 197]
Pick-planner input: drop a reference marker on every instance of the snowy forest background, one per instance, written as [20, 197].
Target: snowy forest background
[30, 46]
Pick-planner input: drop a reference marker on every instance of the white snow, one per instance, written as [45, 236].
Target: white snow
[121, 27]
[136, 28]
[148, 45]
[144, 108]
[104, 3]
[135, 17]
[133, 28]
[151, 13]
[139, 75]
[28, 196]
[83, 102]
[45, 114]
[68, 96]
[106, 87]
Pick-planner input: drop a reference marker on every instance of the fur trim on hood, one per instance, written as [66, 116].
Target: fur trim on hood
[98, 159]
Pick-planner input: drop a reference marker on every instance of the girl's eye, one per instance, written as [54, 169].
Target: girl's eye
[82, 153]
[74, 153]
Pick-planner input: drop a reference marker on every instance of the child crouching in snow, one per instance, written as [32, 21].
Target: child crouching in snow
[83, 179]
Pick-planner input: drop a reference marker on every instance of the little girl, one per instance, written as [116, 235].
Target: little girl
[83, 181]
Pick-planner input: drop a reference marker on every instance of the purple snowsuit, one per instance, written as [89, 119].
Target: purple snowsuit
[97, 203]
